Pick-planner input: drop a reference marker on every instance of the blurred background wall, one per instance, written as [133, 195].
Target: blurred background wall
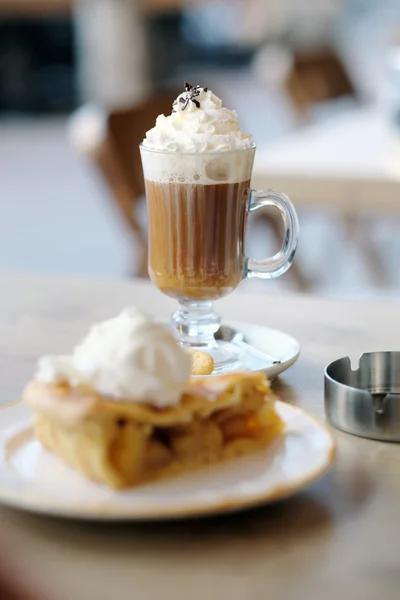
[82, 80]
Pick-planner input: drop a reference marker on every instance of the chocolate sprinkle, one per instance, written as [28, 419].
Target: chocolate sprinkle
[192, 92]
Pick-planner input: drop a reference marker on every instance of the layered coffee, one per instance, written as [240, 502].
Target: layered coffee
[197, 164]
[196, 237]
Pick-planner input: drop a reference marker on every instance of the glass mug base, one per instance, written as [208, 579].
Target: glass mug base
[230, 358]
[196, 327]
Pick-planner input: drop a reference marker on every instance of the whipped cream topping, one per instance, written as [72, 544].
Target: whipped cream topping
[130, 357]
[56, 369]
[198, 123]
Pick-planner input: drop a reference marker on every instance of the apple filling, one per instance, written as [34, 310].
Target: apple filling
[122, 443]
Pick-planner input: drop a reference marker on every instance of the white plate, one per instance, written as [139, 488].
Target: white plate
[273, 342]
[33, 479]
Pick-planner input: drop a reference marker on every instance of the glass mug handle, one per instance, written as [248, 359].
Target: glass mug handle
[274, 266]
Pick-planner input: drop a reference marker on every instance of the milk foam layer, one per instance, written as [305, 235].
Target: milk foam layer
[196, 143]
[129, 357]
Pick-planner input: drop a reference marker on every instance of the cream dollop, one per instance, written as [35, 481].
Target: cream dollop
[56, 369]
[130, 357]
[198, 123]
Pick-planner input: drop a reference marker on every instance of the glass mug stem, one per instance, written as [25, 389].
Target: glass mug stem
[196, 324]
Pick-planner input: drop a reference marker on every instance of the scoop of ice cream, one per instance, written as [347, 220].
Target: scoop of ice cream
[198, 123]
[129, 357]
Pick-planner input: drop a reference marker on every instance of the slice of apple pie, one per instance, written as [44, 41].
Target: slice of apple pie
[122, 443]
[123, 409]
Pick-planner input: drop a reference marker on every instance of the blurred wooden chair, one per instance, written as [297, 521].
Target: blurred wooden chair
[110, 141]
[317, 76]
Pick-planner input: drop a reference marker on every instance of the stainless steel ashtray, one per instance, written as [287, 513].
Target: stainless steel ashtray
[365, 401]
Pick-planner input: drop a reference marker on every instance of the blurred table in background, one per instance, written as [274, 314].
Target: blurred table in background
[350, 164]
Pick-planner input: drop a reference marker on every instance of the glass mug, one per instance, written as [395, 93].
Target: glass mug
[197, 206]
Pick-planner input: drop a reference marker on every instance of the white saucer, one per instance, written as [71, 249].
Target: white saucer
[35, 480]
[277, 344]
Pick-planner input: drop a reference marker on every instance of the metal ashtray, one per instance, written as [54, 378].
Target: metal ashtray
[365, 401]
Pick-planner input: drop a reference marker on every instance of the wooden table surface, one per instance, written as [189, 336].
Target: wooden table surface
[340, 538]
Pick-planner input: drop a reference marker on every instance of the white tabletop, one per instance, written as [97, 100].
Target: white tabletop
[350, 161]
